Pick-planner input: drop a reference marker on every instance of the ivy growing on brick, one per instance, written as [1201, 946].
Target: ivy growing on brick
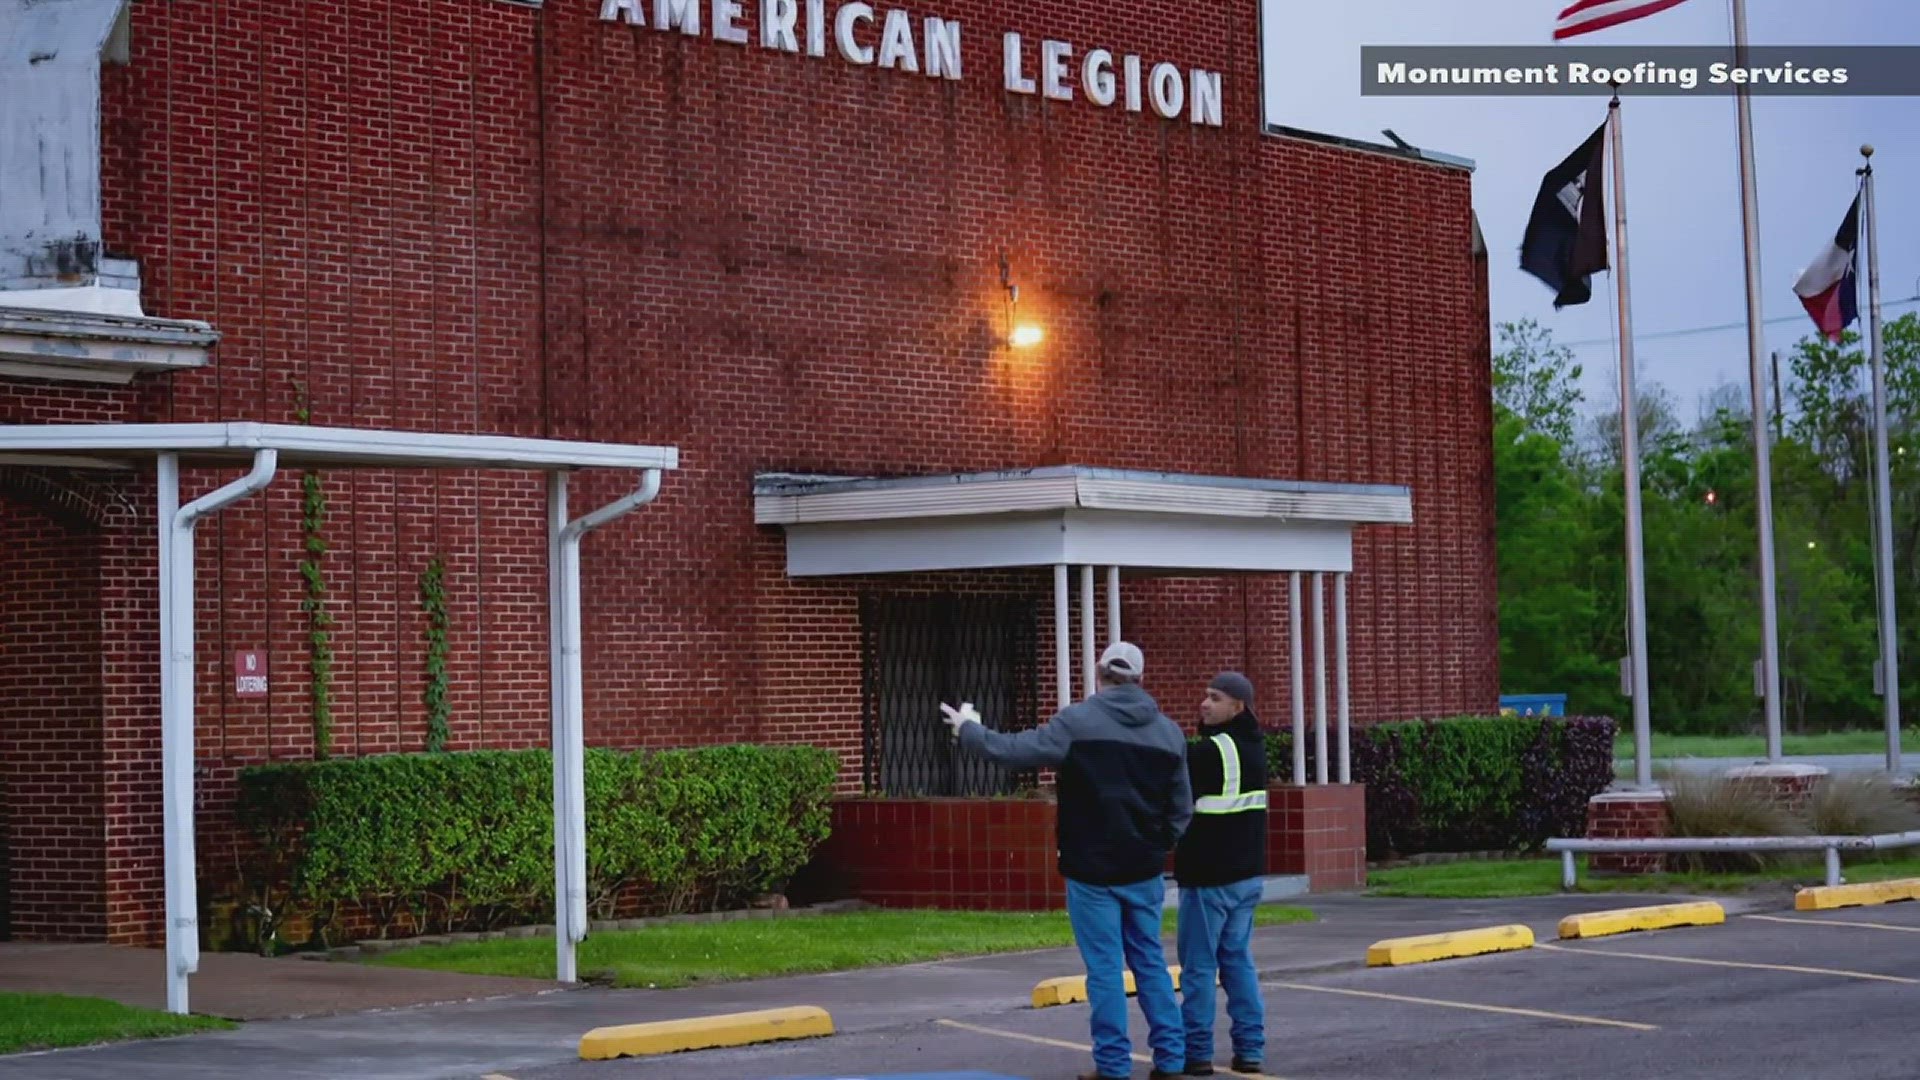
[433, 601]
[320, 621]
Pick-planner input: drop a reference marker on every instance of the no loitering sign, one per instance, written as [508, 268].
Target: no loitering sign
[250, 673]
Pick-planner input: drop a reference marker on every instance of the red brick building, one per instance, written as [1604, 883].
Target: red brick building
[791, 240]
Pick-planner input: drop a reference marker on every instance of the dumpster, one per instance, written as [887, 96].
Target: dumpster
[1533, 704]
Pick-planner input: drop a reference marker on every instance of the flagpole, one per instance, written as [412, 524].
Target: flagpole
[1630, 464]
[1756, 350]
[1883, 512]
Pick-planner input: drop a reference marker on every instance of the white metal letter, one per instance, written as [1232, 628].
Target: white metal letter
[843, 21]
[777, 19]
[1169, 92]
[816, 27]
[943, 49]
[1206, 97]
[1053, 69]
[1132, 68]
[896, 43]
[684, 14]
[726, 22]
[1017, 81]
[1096, 74]
[627, 11]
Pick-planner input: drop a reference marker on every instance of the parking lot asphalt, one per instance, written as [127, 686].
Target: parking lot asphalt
[1783, 994]
[1771, 993]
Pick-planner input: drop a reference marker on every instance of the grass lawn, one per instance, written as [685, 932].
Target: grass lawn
[679, 954]
[49, 1021]
[1541, 877]
[1755, 746]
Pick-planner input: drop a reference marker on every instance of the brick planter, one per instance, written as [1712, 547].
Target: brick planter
[1790, 786]
[967, 854]
[1321, 831]
[1627, 815]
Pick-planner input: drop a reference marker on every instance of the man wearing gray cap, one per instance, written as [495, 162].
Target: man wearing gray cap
[1220, 865]
[1124, 802]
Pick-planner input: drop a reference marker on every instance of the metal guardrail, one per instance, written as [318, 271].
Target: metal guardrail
[1831, 845]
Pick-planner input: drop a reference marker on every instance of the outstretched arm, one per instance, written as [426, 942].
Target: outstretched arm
[1044, 745]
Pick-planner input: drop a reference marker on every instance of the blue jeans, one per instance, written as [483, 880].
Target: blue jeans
[1118, 928]
[1216, 939]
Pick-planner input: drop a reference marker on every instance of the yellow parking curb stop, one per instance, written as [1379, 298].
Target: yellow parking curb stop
[1069, 989]
[1828, 897]
[1595, 924]
[1394, 952]
[705, 1033]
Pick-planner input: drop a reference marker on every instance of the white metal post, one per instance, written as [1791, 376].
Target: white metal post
[1062, 615]
[176, 704]
[1086, 630]
[1340, 676]
[569, 721]
[1113, 604]
[1630, 467]
[1320, 677]
[1756, 349]
[1883, 469]
[1299, 682]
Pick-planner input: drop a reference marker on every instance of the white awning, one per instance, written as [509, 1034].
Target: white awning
[234, 444]
[1070, 515]
[263, 449]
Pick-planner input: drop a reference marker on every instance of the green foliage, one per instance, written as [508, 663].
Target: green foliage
[1562, 537]
[433, 601]
[1473, 783]
[466, 839]
[320, 622]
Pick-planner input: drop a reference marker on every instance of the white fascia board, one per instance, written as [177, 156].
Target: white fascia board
[1360, 506]
[300, 445]
[1013, 496]
[925, 544]
[1206, 543]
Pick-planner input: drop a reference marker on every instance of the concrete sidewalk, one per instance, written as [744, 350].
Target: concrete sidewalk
[240, 986]
[501, 1035]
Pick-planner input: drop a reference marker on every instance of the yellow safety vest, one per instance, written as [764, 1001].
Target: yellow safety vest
[1229, 801]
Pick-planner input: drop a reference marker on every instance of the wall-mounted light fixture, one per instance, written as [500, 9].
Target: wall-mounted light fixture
[1020, 335]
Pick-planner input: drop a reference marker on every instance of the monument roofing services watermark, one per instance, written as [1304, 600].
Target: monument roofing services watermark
[1662, 70]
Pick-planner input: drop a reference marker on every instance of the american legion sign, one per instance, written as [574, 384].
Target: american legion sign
[801, 27]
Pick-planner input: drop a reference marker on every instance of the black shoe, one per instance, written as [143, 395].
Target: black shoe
[1243, 1066]
[1157, 1074]
[1199, 1068]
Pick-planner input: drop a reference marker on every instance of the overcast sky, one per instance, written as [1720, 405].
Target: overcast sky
[1683, 184]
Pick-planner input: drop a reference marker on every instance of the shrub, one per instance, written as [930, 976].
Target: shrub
[1857, 804]
[1472, 783]
[1700, 806]
[467, 839]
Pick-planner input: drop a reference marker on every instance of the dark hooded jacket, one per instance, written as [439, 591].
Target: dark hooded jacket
[1124, 797]
[1227, 842]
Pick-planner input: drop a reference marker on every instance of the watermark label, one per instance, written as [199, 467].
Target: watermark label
[1659, 71]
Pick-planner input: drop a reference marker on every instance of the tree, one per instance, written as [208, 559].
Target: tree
[1537, 381]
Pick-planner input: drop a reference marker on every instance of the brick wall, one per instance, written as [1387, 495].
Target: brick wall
[475, 217]
[50, 737]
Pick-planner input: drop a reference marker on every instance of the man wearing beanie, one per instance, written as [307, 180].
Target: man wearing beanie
[1220, 864]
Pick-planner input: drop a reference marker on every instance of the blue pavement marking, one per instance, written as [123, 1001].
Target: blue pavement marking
[916, 1076]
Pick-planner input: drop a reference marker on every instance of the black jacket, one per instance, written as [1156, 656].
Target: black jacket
[1227, 841]
[1123, 790]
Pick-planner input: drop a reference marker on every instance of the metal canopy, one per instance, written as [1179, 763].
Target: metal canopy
[263, 449]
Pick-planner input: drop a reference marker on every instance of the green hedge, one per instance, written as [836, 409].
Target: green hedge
[466, 840]
[1472, 783]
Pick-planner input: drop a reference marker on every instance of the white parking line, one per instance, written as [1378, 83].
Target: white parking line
[1468, 1005]
[1837, 922]
[1868, 975]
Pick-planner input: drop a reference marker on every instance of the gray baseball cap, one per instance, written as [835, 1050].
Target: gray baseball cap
[1124, 658]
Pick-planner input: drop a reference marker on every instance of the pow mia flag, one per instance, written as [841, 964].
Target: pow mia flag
[1566, 239]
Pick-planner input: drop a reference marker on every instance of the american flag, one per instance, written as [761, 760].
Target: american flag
[1586, 16]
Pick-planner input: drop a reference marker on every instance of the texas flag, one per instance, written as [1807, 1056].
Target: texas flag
[1586, 16]
[1830, 288]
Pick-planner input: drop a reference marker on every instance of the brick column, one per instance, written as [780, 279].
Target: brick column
[1627, 815]
[1791, 786]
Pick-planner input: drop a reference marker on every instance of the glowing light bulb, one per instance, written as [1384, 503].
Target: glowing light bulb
[1026, 336]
